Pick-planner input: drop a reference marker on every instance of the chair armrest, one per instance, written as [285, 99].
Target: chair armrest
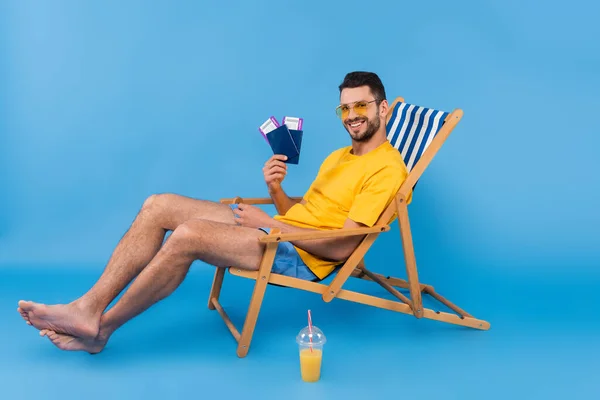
[319, 234]
[252, 200]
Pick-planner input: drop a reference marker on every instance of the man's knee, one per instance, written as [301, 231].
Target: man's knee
[185, 237]
[157, 201]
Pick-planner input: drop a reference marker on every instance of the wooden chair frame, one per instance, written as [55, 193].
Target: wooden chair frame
[354, 265]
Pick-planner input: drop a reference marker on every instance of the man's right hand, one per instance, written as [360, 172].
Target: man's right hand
[274, 171]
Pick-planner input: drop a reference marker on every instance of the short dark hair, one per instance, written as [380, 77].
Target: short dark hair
[361, 78]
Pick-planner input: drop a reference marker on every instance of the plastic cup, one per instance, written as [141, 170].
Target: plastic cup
[311, 354]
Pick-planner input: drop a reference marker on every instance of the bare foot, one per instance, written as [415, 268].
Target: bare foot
[24, 315]
[71, 343]
[68, 319]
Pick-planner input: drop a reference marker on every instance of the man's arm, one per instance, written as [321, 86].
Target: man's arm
[275, 171]
[375, 195]
[282, 201]
[338, 248]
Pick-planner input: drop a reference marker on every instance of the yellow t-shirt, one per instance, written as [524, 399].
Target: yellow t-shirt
[348, 186]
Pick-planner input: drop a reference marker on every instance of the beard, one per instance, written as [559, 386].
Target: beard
[364, 135]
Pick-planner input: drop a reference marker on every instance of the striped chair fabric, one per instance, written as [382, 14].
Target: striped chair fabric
[412, 128]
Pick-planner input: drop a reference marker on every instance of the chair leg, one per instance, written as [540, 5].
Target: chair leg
[215, 290]
[251, 318]
[361, 264]
[409, 257]
[256, 301]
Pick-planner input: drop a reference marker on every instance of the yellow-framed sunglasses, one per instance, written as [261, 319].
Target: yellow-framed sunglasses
[359, 107]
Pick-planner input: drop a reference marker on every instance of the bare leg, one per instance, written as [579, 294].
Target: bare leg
[159, 214]
[215, 243]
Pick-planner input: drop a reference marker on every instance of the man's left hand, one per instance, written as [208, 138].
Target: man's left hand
[251, 216]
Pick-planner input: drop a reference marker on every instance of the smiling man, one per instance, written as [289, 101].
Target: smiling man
[353, 187]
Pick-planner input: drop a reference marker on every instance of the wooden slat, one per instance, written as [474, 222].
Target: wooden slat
[215, 290]
[282, 280]
[396, 282]
[226, 319]
[346, 270]
[374, 301]
[252, 200]
[319, 234]
[409, 258]
[320, 288]
[388, 287]
[456, 320]
[448, 304]
[401, 283]
[258, 294]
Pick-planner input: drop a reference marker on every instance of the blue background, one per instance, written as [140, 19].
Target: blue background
[103, 104]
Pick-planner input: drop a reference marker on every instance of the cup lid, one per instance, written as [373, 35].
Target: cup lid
[304, 336]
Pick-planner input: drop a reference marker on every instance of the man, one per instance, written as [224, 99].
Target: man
[353, 187]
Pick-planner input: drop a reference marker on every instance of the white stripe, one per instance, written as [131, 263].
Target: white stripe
[422, 133]
[395, 125]
[412, 131]
[403, 129]
[434, 128]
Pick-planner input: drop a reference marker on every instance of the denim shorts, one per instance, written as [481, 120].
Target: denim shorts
[287, 260]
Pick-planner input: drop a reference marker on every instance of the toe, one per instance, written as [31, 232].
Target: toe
[24, 315]
[25, 305]
[28, 306]
[59, 343]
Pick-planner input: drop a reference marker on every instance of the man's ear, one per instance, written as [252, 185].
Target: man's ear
[383, 108]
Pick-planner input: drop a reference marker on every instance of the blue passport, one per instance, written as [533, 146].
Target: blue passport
[282, 141]
[297, 138]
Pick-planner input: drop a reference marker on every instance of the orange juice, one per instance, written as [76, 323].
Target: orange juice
[310, 364]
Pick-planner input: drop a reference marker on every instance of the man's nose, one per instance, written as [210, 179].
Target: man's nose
[352, 114]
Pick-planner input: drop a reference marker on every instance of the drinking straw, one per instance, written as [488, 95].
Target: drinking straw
[310, 330]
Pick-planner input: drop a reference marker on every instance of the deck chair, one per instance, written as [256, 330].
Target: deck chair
[418, 133]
